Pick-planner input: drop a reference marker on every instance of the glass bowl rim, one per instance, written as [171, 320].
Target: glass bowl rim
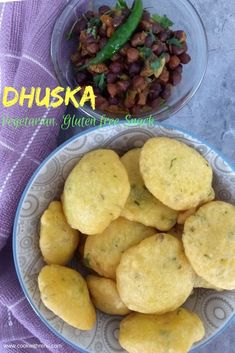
[166, 111]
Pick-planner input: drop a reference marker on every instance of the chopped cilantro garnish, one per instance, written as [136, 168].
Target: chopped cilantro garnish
[100, 81]
[164, 333]
[94, 22]
[152, 35]
[121, 4]
[146, 52]
[93, 25]
[156, 64]
[164, 21]
[93, 31]
[172, 162]
[175, 41]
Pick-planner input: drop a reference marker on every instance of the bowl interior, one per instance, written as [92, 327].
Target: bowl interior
[181, 12]
[215, 308]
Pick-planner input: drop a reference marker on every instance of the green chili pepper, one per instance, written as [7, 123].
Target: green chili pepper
[120, 36]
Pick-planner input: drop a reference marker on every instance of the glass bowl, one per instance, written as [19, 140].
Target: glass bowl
[181, 12]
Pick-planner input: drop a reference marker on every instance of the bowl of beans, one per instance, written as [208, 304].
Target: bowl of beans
[142, 58]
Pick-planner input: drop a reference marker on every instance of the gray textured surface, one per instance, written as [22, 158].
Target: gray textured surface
[211, 113]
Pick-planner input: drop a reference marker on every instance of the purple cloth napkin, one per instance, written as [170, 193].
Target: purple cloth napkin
[25, 33]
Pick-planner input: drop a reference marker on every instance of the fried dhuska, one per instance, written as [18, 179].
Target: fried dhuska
[182, 216]
[199, 282]
[209, 242]
[95, 192]
[175, 173]
[105, 296]
[64, 291]
[141, 205]
[174, 332]
[58, 241]
[155, 276]
[102, 252]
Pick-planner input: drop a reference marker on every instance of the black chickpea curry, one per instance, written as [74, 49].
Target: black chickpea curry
[132, 58]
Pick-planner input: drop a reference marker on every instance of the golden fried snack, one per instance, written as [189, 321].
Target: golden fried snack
[103, 251]
[155, 276]
[210, 198]
[142, 206]
[182, 216]
[65, 292]
[199, 282]
[58, 241]
[95, 192]
[105, 296]
[175, 173]
[209, 242]
[174, 332]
